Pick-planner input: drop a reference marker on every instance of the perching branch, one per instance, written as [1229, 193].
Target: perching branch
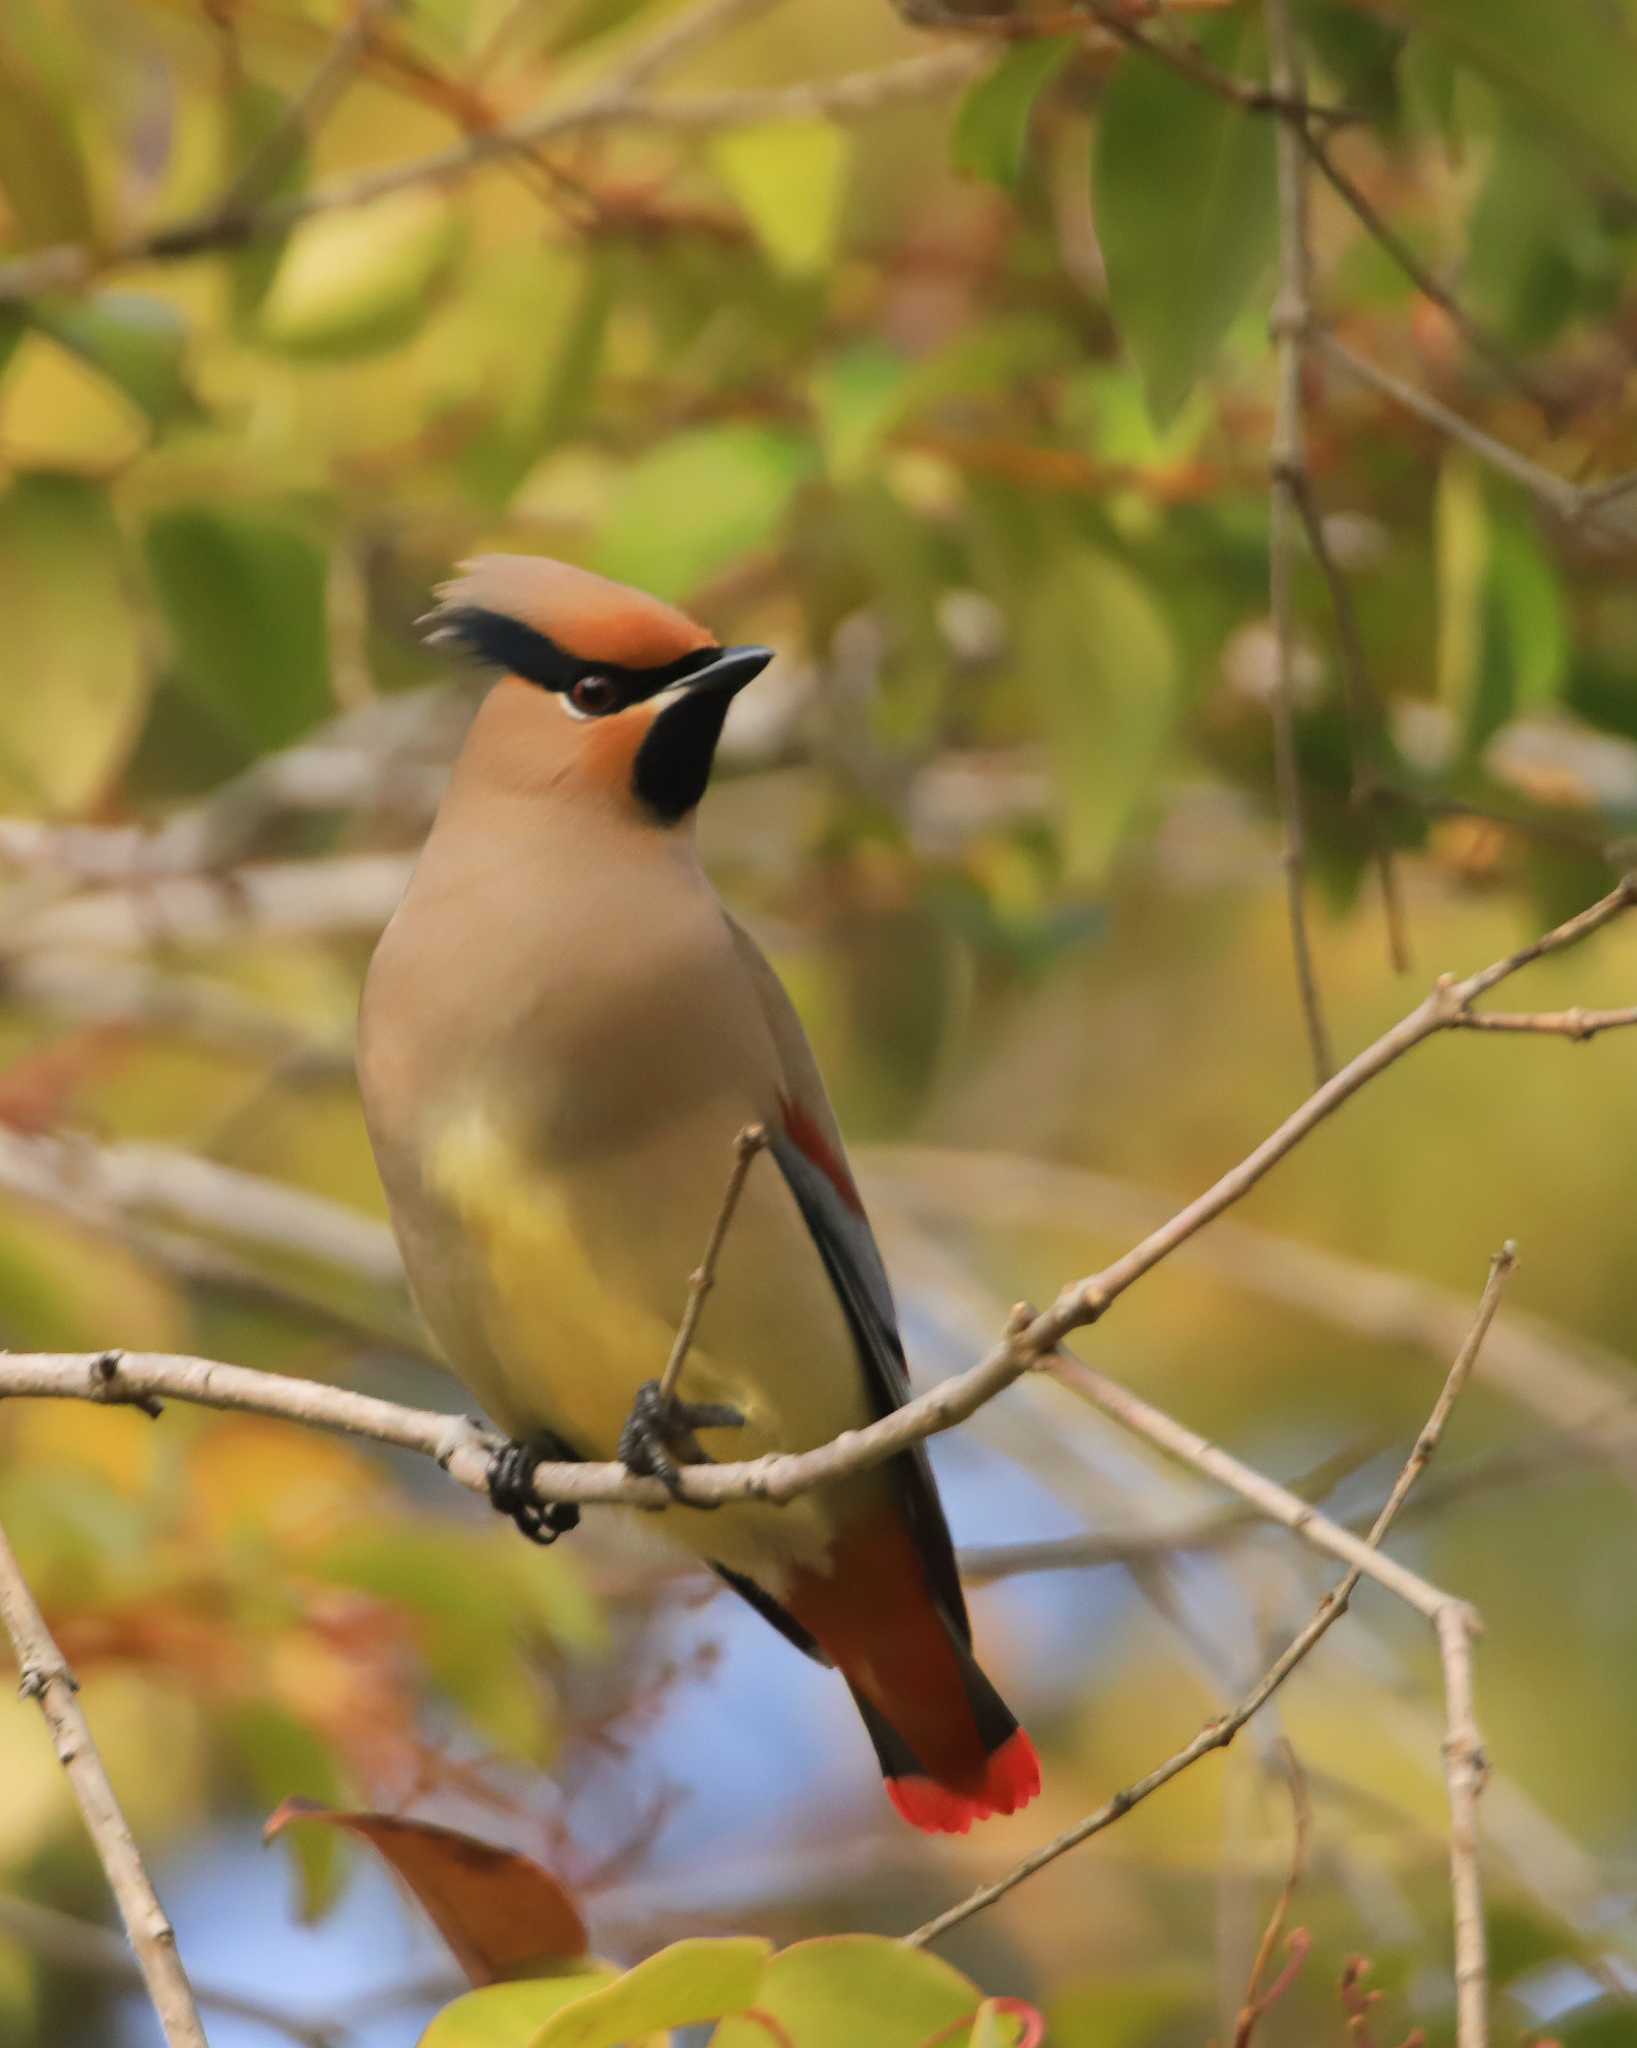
[465, 1451]
[46, 1678]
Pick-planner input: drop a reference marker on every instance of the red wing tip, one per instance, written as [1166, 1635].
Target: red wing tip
[1010, 1780]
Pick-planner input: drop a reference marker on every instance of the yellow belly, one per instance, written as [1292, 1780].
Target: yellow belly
[576, 1293]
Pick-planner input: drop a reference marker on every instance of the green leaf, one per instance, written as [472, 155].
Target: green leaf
[281, 1755]
[1185, 193]
[698, 502]
[1503, 630]
[510, 2015]
[1572, 65]
[243, 596]
[858, 395]
[791, 180]
[1537, 247]
[42, 169]
[251, 113]
[1095, 649]
[79, 684]
[992, 126]
[362, 279]
[861, 1989]
[684, 1985]
[137, 342]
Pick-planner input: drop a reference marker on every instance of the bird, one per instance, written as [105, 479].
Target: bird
[563, 1032]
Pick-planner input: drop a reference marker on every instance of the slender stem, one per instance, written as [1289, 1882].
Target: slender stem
[46, 1678]
[751, 1140]
[1464, 1771]
[1291, 318]
[1218, 1734]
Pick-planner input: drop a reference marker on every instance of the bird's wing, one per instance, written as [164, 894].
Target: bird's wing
[809, 1152]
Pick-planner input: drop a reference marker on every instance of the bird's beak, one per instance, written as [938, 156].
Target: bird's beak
[673, 762]
[729, 672]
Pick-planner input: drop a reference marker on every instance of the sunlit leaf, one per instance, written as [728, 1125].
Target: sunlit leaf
[501, 1915]
[992, 127]
[243, 596]
[1185, 211]
[71, 645]
[1572, 66]
[682, 1986]
[791, 180]
[511, 2015]
[699, 502]
[362, 278]
[859, 1988]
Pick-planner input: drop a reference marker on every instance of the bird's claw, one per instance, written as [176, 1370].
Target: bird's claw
[511, 1489]
[659, 1435]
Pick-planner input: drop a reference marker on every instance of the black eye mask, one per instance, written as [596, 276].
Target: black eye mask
[505, 643]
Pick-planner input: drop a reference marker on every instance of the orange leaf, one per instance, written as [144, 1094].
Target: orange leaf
[501, 1915]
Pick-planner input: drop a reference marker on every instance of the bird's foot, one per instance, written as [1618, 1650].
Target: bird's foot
[511, 1488]
[659, 1436]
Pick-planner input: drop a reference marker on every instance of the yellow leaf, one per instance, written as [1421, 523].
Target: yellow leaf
[791, 180]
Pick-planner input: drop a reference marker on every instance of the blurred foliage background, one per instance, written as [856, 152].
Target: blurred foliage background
[951, 380]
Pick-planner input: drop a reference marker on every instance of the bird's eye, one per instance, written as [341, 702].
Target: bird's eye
[592, 697]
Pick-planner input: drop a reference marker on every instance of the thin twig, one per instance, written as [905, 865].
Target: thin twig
[852, 97]
[1287, 458]
[1577, 1023]
[46, 1678]
[751, 1140]
[705, 22]
[1573, 503]
[1256, 2001]
[1218, 1734]
[304, 114]
[466, 1452]
[1464, 1771]
[1472, 331]
[1365, 718]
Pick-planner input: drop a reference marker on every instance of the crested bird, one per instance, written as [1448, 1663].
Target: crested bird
[563, 1032]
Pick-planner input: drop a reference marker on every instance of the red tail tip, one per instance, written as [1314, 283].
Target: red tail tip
[1011, 1778]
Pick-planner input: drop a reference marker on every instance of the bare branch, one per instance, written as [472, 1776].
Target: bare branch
[1292, 316]
[1030, 1340]
[1218, 1734]
[854, 96]
[1575, 504]
[751, 1140]
[306, 112]
[46, 1678]
[1464, 1770]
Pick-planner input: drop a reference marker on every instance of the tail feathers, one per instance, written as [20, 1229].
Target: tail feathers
[1006, 1779]
[950, 1750]
[1010, 1780]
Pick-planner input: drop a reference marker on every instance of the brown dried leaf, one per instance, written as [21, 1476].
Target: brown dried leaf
[501, 1914]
